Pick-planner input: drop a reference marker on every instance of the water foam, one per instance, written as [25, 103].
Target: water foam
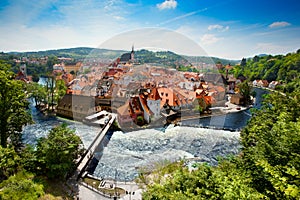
[127, 153]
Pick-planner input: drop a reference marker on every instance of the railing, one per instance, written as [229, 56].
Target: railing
[92, 148]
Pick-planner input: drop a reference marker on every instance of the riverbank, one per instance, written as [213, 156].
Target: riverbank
[180, 119]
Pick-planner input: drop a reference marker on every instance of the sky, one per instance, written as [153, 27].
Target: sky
[230, 29]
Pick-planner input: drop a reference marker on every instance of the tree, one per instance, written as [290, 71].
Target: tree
[243, 62]
[35, 77]
[9, 162]
[271, 147]
[13, 104]
[245, 90]
[37, 92]
[50, 89]
[60, 90]
[20, 186]
[226, 181]
[57, 153]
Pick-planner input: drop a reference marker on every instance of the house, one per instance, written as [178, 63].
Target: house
[59, 67]
[168, 98]
[273, 84]
[75, 106]
[231, 84]
[200, 93]
[135, 109]
[263, 83]
[219, 92]
[124, 114]
[147, 112]
[209, 100]
[153, 103]
[22, 74]
[237, 99]
[127, 57]
[228, 68]
[255, 82]
[75, 67]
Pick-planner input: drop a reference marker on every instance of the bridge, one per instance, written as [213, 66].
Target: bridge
[83, 162]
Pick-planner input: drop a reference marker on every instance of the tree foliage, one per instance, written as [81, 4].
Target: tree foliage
[57, 153]
[9, 162]
[272, 147]
[25, 174]
[37, 92]
[13, 104]
[20, 186]
[226, 181]
[281, 68]
[246, 91]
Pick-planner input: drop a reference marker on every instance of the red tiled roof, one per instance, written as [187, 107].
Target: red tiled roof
[154, 94]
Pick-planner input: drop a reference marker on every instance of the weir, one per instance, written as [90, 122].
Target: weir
[83, 162]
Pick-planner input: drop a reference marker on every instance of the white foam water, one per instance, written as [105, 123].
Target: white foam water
[128, 153]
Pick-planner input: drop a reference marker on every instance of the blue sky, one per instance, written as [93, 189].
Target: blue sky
[228, 28]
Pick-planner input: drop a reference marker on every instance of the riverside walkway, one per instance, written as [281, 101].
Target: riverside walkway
[81, 165]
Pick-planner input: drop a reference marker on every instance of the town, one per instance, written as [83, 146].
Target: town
[147, 94]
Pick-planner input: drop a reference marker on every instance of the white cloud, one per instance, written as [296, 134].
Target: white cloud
[279, 24]
[209, 39]
[167, 4]
[218, 27]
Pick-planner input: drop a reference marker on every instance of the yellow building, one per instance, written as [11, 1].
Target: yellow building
[72, 67]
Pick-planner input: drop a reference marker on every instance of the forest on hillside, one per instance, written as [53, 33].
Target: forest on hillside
[283, 68]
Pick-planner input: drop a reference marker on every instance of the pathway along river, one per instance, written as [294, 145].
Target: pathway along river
[123, 155]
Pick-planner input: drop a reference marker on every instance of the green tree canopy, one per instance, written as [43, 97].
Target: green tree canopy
[272, 147]
[20, 186]
[9, 162]
[13, 104]
[57, 153]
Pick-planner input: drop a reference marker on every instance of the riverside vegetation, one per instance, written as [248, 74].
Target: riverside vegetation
[28, 172]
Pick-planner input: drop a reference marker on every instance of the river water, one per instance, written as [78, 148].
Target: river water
[123, 155]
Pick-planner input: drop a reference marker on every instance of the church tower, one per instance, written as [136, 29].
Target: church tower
[132, 54]
[23, 69]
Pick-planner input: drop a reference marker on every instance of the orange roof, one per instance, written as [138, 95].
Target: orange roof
[228, 67]
[168, 96]
[220, 88]
[123, 110]
[144, 104]
[209, 100]
[154, 94]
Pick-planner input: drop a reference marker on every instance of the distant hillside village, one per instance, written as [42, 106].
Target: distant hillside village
[142, 93]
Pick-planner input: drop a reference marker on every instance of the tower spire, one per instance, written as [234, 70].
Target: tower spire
[132, 53]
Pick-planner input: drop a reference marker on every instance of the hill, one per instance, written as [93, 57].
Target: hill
[78, 53]
[165, 58]
[143, 56]
[207, 59]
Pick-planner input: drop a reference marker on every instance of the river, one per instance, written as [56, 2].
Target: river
[123, 155]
